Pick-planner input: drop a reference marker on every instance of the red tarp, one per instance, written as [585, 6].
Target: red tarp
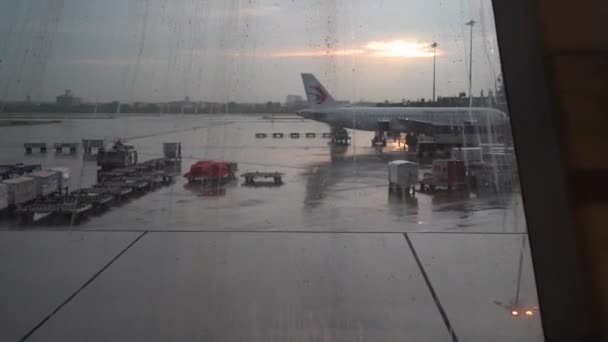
[208, 168]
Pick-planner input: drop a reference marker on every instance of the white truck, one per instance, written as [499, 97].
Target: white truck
[402, 176]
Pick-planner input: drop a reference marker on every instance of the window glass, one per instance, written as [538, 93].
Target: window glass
[326, 170]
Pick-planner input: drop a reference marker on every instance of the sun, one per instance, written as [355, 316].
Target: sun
[399, 48]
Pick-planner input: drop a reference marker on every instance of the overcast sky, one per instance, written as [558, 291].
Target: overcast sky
[247, 50]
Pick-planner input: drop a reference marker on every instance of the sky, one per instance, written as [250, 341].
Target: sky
[242, 50]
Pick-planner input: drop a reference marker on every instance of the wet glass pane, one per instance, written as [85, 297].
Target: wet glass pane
[259, 170]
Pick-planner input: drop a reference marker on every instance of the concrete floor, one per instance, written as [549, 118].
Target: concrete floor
[234, 286]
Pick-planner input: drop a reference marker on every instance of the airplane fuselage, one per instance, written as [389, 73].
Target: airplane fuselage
[368, 118]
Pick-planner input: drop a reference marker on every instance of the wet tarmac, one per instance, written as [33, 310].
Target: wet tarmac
[328, 256]
[325, 188]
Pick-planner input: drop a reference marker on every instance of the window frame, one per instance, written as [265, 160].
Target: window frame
[561, 281]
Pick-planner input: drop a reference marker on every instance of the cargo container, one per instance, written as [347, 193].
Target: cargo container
[172, 150]
[47, 182]
[402, 174]
[446, 173]
[449, 171]
[3, 196]
[20, 190]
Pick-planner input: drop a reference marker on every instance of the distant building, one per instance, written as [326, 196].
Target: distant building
[293, 100]
[185, 106]
[68, 100]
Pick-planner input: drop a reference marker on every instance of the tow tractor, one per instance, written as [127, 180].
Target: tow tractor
[379, 138]
[119, 156]
[339, 136]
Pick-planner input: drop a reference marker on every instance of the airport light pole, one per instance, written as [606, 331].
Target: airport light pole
[434, 46]
[471, 23]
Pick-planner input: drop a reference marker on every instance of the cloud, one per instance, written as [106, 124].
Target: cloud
[317, 53]
[394, 48]
[399, 48]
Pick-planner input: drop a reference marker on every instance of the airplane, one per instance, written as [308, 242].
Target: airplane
[446, 124]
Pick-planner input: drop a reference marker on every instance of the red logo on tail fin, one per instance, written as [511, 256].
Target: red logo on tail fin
[317, 92]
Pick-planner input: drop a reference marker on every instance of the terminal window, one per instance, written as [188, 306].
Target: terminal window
[260, 170]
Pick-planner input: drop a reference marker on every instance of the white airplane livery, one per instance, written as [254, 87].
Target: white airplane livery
[427, 120]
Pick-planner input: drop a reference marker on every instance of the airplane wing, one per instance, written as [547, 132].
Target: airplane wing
[414, 125]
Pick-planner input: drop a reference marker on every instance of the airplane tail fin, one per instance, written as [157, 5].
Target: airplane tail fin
[316, 93]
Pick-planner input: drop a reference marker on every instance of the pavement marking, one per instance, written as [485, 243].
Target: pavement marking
[73, 295]
[444, 315]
